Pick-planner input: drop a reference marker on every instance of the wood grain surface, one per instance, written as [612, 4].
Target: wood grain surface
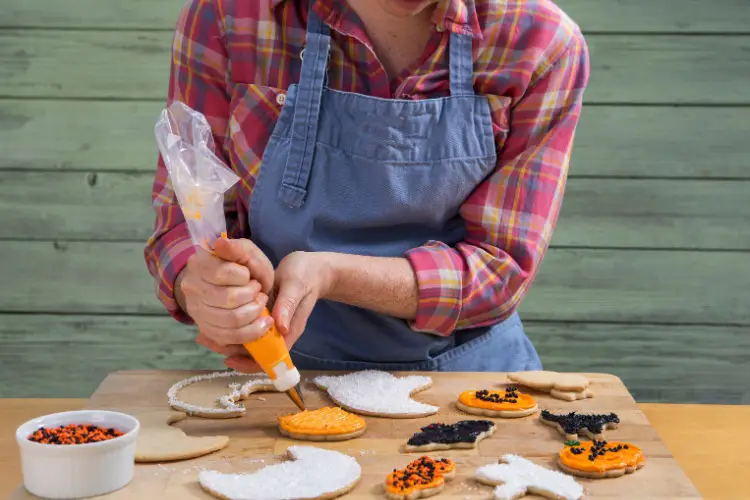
[255, 437]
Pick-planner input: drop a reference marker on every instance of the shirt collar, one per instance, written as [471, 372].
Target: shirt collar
[459, 16]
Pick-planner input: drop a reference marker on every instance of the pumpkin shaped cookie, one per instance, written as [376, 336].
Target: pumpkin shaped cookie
[600, 459]
[423, 477]
[506, 404]
[324, 424]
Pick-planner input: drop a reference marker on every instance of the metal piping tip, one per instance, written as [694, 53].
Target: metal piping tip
[295, 394]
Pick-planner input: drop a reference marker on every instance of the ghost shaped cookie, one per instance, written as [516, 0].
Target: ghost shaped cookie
[564, 386]
[515, 477]
[378, 393]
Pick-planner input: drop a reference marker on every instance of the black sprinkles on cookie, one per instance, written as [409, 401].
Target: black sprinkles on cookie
[573, 422]
[511, 395]
[465, 431]
[598, 448]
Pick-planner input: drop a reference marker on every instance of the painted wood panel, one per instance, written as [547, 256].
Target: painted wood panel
[652, 213]
[67, 356]
[681, 16]
[630, 286]
[134, 65]
[611, 141]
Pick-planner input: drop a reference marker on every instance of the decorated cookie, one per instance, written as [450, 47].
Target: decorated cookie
[507, 404]
[159, 442]
[423, 477]
[515, 477]
[565, 386]
[214, 399]
[600, 459]
[323, 424]
[378, 393]
[572, 424]
[463, 434]
[313, 473]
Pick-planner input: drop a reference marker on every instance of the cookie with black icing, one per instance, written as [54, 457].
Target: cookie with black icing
[439, 436]
[573, 424]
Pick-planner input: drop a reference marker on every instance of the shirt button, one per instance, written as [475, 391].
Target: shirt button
[440, 28]
[281, 99]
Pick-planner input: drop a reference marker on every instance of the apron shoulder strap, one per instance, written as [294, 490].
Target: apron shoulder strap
[461, 62]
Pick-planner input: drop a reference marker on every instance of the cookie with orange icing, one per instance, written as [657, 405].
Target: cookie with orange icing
[506, 404]
[600, 459]
[324, 424]
[423, 477]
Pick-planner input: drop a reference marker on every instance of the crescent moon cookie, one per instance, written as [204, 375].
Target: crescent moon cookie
[223, 406]
[313, 473]
[573, 424]
[158, 441]
[463, 434]
[516, 477]
[601, 459]
[324, 424]
[565, 386]
[506, 404]
[423, 477]
[378, 393]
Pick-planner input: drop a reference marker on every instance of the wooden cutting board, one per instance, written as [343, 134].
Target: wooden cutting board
[256, 442]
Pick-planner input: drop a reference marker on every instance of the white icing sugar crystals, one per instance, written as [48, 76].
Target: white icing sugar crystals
[228, 402]
[377, 392]
[517, 475]
[314, 472]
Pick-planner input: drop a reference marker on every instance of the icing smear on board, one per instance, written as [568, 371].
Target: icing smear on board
[377, 392]
[228, 402]
[313, 472]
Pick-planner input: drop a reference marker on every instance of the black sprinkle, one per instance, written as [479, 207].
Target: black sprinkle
[573, 422]
[465, 431]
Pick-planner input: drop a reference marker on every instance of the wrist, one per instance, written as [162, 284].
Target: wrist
[179, 295]
[329, 265]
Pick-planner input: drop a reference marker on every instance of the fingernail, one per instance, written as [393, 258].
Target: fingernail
[266, 324]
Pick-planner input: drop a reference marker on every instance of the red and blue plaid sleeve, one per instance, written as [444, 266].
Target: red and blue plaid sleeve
[510, 217]
[198, 76]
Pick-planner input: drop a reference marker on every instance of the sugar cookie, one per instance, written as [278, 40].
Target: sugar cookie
[573, 424]
[565, 386]
[224, 405]
[423, 477]
[312, 473]
[601, 459]
[515, 477]
[324, 424]
[159, 442]
[378, 393]
[463, 434]
[506, 404]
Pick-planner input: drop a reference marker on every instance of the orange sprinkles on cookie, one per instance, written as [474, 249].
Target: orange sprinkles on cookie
[508, 400]
[74, 434]
[326, 421]
[601, 456]
[421, 474]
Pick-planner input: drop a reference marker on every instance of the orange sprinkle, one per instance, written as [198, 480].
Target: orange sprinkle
[74, 434]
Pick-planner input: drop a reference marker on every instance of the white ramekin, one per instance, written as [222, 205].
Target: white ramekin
[78, 470]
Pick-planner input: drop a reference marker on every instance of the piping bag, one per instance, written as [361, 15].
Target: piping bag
[200, 179]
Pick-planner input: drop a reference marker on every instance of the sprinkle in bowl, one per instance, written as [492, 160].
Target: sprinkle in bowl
[79, 454]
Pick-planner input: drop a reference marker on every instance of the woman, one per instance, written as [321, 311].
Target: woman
[402, 167]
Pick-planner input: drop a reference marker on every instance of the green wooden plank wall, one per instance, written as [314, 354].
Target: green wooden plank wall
[648, 276]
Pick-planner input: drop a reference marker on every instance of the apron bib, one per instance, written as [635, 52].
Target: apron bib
[349, 173]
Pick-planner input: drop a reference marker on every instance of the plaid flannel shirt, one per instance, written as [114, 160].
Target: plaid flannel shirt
[532, 63]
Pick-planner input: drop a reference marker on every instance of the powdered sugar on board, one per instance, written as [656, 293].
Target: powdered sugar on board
[312, 473]
[372, 392]
[517, 477]
[227, 403]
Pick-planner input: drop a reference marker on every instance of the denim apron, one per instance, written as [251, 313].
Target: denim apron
[349, 173]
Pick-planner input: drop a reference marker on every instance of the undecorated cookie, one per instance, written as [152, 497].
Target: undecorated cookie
[515, 477]
[324, 424]
[312, 473]
[378, 393]
[463, 434]
[572, 424]
[565, 386]
[601, 459]
[571, 396]
[214, 395]
[159, 442]
[423, 477]
[505, 404]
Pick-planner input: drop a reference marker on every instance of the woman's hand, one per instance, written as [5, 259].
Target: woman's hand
[300, 280]
[225, 294]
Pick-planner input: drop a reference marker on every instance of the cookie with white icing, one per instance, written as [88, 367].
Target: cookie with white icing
[378, 393]
[212, 395]
[515, 477]
[312, 473]
[158, 441]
